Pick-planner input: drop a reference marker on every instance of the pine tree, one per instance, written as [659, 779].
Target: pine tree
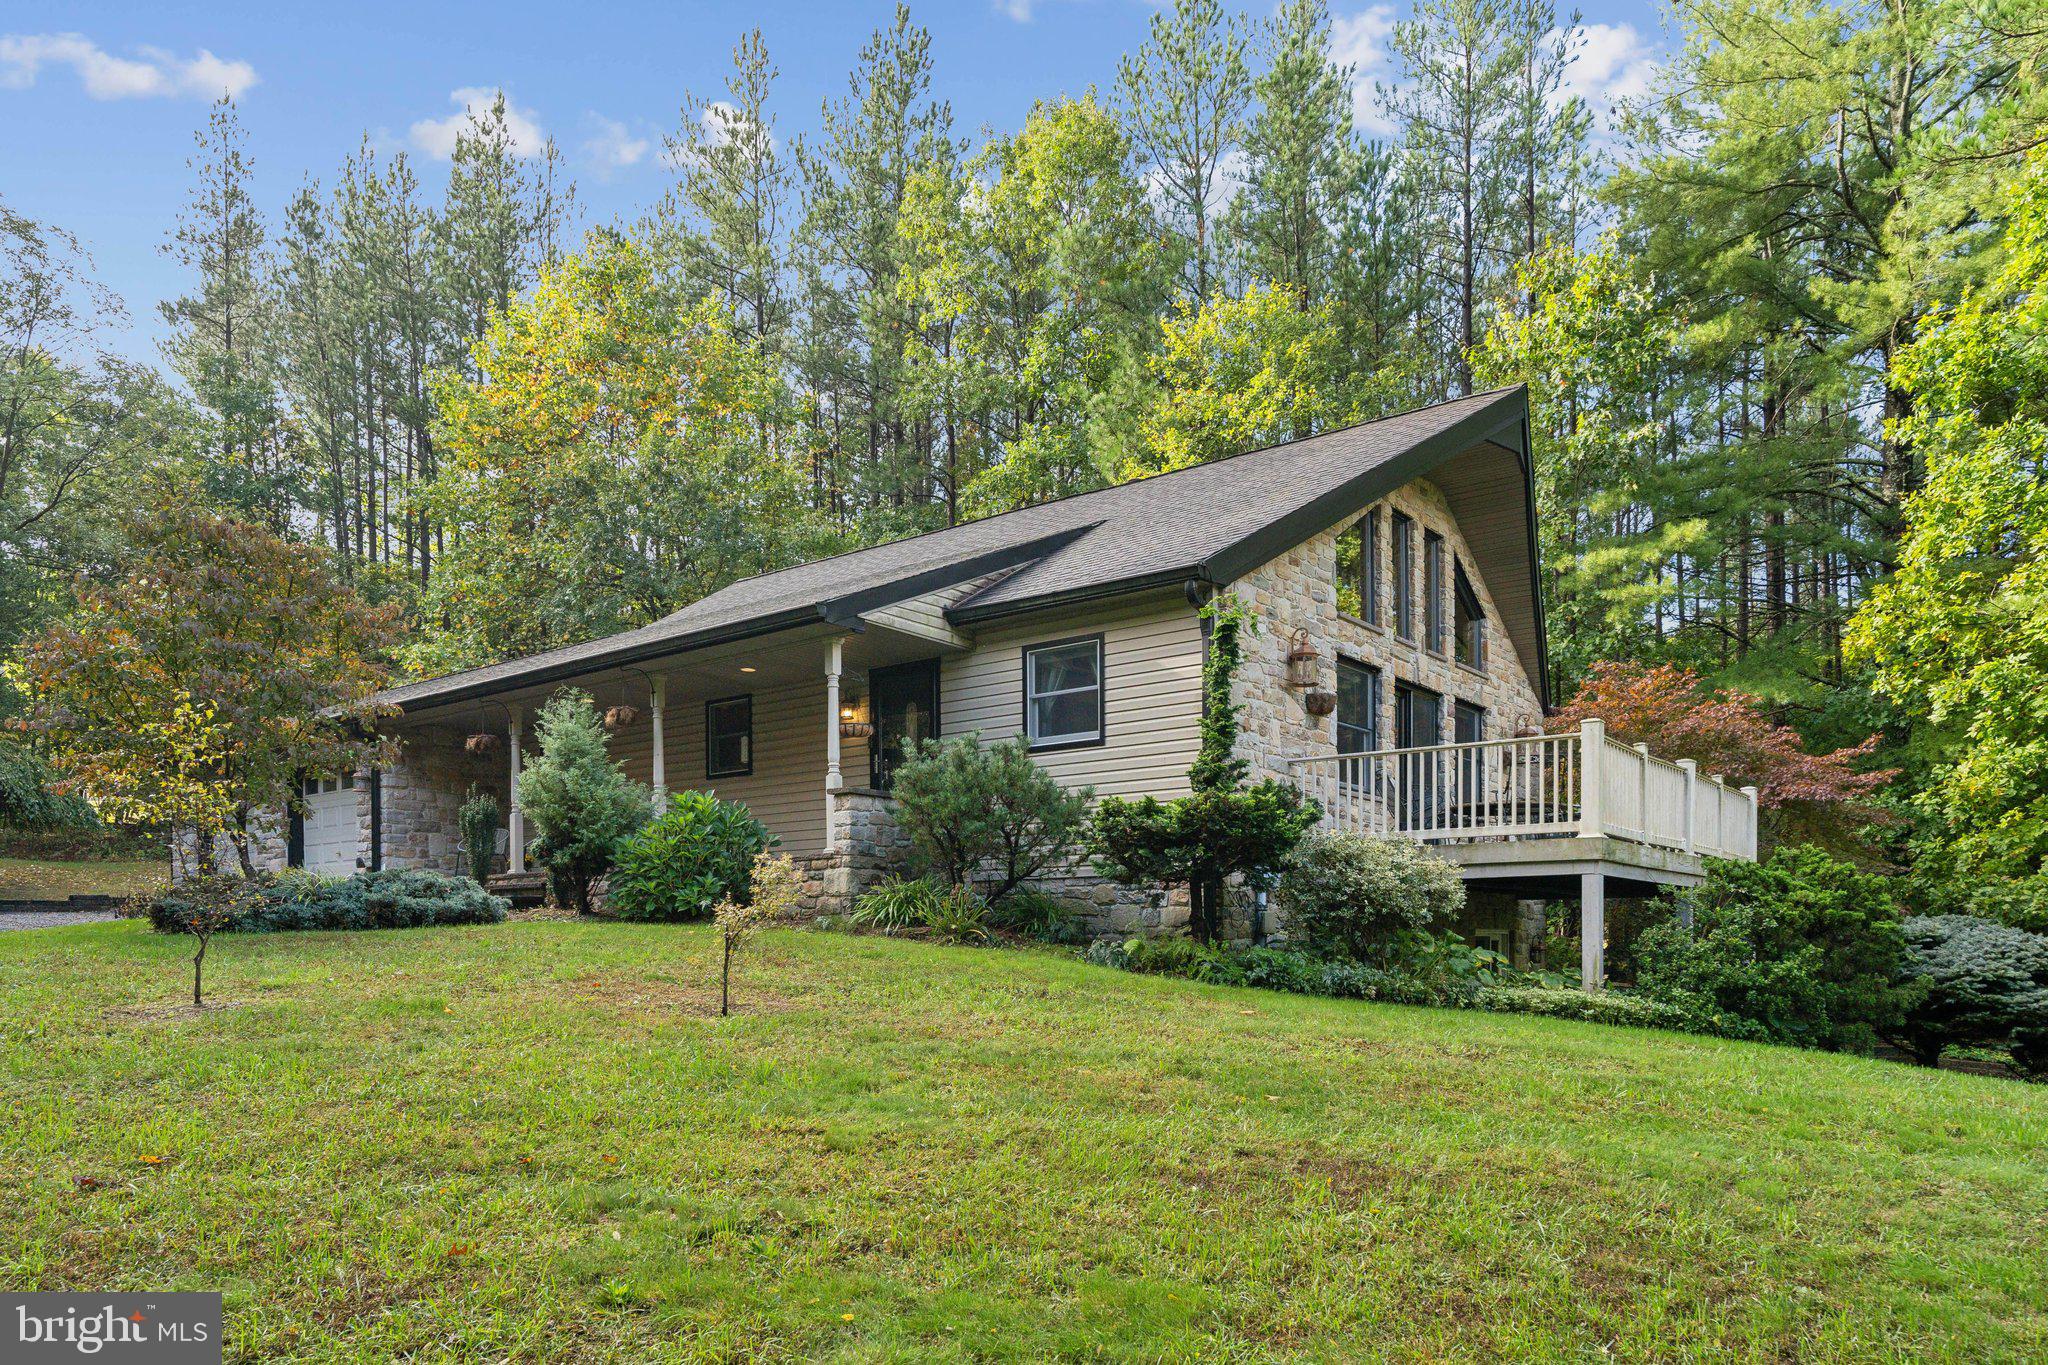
[731, 195]
[874, 465]
[220, 342]
[1456, 105]
[1300, 158]
[1184, 94]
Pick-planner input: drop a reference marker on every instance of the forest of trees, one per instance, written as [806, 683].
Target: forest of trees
[520, 430]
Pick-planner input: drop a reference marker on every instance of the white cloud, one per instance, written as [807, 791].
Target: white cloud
[611, 145]
[719, 121]
[436, 136]
[1020, 10]
[1614, 63]
[154, 74]
[1360, 41]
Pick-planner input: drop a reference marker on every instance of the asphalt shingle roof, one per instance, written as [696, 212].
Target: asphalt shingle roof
[1182, 524]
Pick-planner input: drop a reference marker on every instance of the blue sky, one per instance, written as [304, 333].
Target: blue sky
[99, 102]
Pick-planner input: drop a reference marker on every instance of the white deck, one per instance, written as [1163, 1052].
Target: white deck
[1544, 815]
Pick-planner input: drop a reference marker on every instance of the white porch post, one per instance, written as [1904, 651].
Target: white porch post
[1749, 837]
[1592, 930]
[515, 853]
[1691, 768]
[1592, 749]
[1643, 792]
[657, 695]
[833, 780]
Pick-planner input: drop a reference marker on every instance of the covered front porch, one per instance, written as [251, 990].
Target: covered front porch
[800, 725]
[1545, 817]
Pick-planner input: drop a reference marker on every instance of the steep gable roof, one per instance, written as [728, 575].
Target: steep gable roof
[1212, 522]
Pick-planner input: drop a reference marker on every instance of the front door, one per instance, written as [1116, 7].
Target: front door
[904, 700]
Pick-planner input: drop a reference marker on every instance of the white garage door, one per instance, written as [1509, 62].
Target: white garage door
[330, 825]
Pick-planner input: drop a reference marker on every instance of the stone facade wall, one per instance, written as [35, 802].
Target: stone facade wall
[269, 849]
[1299, 591]
[419, 795]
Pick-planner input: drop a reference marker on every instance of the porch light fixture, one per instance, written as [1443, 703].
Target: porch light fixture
[1303, 660]
[746, 668]
[852, 724]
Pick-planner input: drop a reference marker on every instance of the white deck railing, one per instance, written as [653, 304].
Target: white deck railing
[1577, 783]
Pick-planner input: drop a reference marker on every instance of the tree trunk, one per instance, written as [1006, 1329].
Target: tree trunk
[198, 967]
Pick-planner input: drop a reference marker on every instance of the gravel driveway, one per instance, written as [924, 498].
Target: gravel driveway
[50, 919]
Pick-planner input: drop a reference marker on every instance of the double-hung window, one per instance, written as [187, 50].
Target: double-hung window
[1358, 708]
[1063, 693]
[1358, 564]
[729, 737]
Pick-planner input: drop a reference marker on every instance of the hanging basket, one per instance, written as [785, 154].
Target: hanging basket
[619, 717]
[1320, 701]
[481, 743]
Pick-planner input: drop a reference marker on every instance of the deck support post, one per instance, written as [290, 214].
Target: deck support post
[834, 656]
[1592, 930]
[515, 837]
[657, 698]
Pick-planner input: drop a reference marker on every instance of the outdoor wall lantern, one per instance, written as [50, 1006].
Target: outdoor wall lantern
[853, 721]
[1303, 660]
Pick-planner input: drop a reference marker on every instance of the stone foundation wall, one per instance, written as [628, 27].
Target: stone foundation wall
[870, 847]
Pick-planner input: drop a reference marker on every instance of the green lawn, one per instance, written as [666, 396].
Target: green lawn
[533, 1141]
[51, 879]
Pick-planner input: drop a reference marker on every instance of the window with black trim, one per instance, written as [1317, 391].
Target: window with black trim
[1358, 558]
[1358, 708]
[1063, 693]
[1468, 621]
[1433, 591]
[1404, 576]
[729, 737]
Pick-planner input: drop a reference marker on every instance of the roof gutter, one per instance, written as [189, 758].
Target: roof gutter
[653, 649]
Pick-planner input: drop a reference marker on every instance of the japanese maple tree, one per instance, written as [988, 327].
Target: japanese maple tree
[1670, 709]
[198, 684]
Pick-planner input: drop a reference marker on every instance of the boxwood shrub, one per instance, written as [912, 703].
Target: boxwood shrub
[394, 898]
